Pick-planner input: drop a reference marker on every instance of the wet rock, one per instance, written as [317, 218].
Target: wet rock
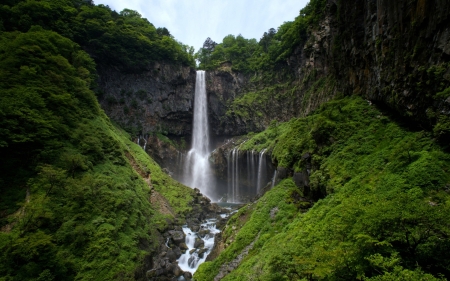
[177, 236]
[199, 243]
[195, 227]
[172, 256]
[203, 232]
[282, 172]
[202, 252]
[301, 180]
[183, 247]
[177, 252]
[187, 275]
[177, 271]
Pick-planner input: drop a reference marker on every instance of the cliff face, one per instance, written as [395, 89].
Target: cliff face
[394, 53]
[223, 86]
[159, 99]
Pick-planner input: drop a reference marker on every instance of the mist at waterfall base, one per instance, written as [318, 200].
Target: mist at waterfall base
[248, 172]
[246, 175]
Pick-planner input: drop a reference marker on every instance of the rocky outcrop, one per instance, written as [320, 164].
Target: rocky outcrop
[164, 152]
[159, 99]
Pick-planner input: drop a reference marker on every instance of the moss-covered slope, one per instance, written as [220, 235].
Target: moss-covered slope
[384, 212]
[75, 192]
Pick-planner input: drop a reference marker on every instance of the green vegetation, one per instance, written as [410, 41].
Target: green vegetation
[384, 208]
[74, 190]
[274, 47]
[124, 39]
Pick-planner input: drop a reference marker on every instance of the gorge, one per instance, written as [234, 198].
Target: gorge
[329, 135]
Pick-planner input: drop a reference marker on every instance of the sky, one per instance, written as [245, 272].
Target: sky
[192, 21]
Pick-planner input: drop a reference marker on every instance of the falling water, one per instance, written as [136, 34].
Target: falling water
[274, 178]
[144, 138]
[193, 257]
[248, 174]
[233, 170]
[197, 167]
[262, 163]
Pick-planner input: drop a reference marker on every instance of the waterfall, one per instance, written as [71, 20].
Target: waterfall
[138, 141]
[261, 164]
[145, 141]
[248, 173]
[197, 167]
[233, 174]
[274, 178]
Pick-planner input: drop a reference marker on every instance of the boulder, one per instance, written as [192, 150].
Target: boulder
[202, 252]
[177, 271]
[202, 233]
[187, 275]
[177, 251]
[177, 236]
[171, 255]
[199, 243]
[183, 246]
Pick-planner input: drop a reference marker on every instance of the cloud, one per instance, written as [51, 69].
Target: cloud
[191, 22]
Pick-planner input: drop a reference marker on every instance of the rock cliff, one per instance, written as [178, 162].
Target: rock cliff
[159, 99]
[394, 53]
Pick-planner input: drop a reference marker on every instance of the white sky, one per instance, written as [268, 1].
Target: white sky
[192, 21]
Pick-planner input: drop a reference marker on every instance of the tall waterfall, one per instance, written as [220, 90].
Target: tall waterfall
[197, 167]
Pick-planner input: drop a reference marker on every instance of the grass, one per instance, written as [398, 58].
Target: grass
[384, 207]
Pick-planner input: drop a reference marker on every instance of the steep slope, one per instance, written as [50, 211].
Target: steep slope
[78, 199]
[371, 80]
[382, 216]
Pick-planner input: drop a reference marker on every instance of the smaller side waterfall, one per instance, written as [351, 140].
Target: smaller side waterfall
[248, 173]
[233, 171]
[262, 163]
[274, 178]
[144, 139]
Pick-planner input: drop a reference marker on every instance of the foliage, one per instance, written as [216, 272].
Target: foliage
[249, 224]
[124, 39]
[74, 190]
[274, 47]
[384, 207]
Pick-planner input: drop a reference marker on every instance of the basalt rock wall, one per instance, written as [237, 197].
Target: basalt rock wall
[159, 99]
[394, 53]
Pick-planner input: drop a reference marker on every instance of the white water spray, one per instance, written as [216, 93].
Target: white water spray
[197, 167]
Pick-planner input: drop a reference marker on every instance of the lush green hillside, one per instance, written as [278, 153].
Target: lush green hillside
[384, 208]
[124, 40]
[74, 190]
[272, 50]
